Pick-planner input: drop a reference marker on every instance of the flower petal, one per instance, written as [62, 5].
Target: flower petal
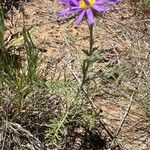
[100, 8]
[69, 11]
[65, 2]
[75, 2]
[101, 1]
[70, 2]
[106, 1]
[80, 17]
[113, 1]
[90, 16]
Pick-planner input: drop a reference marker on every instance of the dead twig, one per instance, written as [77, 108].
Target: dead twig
[125, 115]
[18, 134]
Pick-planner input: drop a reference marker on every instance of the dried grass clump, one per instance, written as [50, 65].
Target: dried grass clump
[13, 136]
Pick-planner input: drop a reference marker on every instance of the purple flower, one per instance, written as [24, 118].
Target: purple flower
[85, 8]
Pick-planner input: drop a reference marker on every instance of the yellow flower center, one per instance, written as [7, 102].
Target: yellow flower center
[84, 5]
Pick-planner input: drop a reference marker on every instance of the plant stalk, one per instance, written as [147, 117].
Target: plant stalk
[91, 40]
[86, 64]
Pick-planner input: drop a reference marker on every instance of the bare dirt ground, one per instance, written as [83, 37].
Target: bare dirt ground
[122, 29]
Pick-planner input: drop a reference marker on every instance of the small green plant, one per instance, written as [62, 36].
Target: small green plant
[56, 128]
[19, 71]
[74, 109]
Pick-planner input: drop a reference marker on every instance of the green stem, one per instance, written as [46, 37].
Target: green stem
[91, 40]
[86, 64]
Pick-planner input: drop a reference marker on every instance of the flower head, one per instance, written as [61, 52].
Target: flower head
[85, 8]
